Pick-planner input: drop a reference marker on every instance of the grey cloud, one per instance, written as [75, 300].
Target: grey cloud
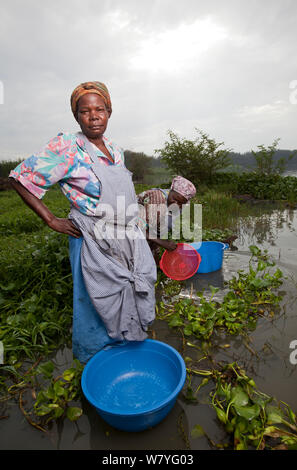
[232, 91]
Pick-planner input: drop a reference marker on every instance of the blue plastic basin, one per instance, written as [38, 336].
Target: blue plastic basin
[134, 386]
[211, 255]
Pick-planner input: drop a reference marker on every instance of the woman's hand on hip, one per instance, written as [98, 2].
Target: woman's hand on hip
[64, 226]
[59, 225]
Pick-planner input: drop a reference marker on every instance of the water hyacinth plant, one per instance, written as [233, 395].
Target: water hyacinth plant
[252, 418]
[249, 295]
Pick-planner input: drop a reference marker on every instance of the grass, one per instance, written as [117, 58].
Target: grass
[35, 280]
[220, 209]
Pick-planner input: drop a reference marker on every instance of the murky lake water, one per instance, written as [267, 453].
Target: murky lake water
[267, 360]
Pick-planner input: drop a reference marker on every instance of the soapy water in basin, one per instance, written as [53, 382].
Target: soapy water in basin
[134, 391]
[133, 385]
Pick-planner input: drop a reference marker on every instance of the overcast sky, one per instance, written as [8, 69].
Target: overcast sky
[223, 66]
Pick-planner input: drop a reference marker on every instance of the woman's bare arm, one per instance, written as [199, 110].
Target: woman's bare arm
[55, 223]
[169, 245]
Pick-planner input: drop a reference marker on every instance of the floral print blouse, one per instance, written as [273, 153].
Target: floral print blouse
[64, 160]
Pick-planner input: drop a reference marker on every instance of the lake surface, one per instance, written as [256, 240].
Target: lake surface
[290, 173]
[273, 229]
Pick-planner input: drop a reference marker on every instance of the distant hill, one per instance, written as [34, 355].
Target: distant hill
[153, 170]
[247, 160]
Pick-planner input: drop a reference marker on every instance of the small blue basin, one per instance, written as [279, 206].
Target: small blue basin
[211, 253]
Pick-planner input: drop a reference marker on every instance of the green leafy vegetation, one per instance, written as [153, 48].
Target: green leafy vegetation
[249, 295]
[35, 301]
[55, 400]
[196, 159]
[53, 397]
[273, 187]
[36, 297]
[252, 418]
[7, 165]
[266, 164]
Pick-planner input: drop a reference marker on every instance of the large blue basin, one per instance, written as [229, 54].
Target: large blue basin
[134, 386]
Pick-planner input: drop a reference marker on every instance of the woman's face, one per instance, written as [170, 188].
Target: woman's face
[92, 115]
[176, 198]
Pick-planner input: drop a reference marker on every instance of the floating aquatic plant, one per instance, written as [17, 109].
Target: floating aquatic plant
[252, 418]
[249, 295]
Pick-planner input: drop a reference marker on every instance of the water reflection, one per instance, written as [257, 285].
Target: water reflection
[200, 282]
[168, 434]
[267, 227]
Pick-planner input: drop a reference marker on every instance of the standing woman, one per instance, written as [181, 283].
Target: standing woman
[113, 270]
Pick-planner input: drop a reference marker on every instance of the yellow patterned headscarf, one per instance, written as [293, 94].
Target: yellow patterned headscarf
[90, 87]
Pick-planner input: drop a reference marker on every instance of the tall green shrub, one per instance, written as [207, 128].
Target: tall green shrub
[196, 159]
[266, 164]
